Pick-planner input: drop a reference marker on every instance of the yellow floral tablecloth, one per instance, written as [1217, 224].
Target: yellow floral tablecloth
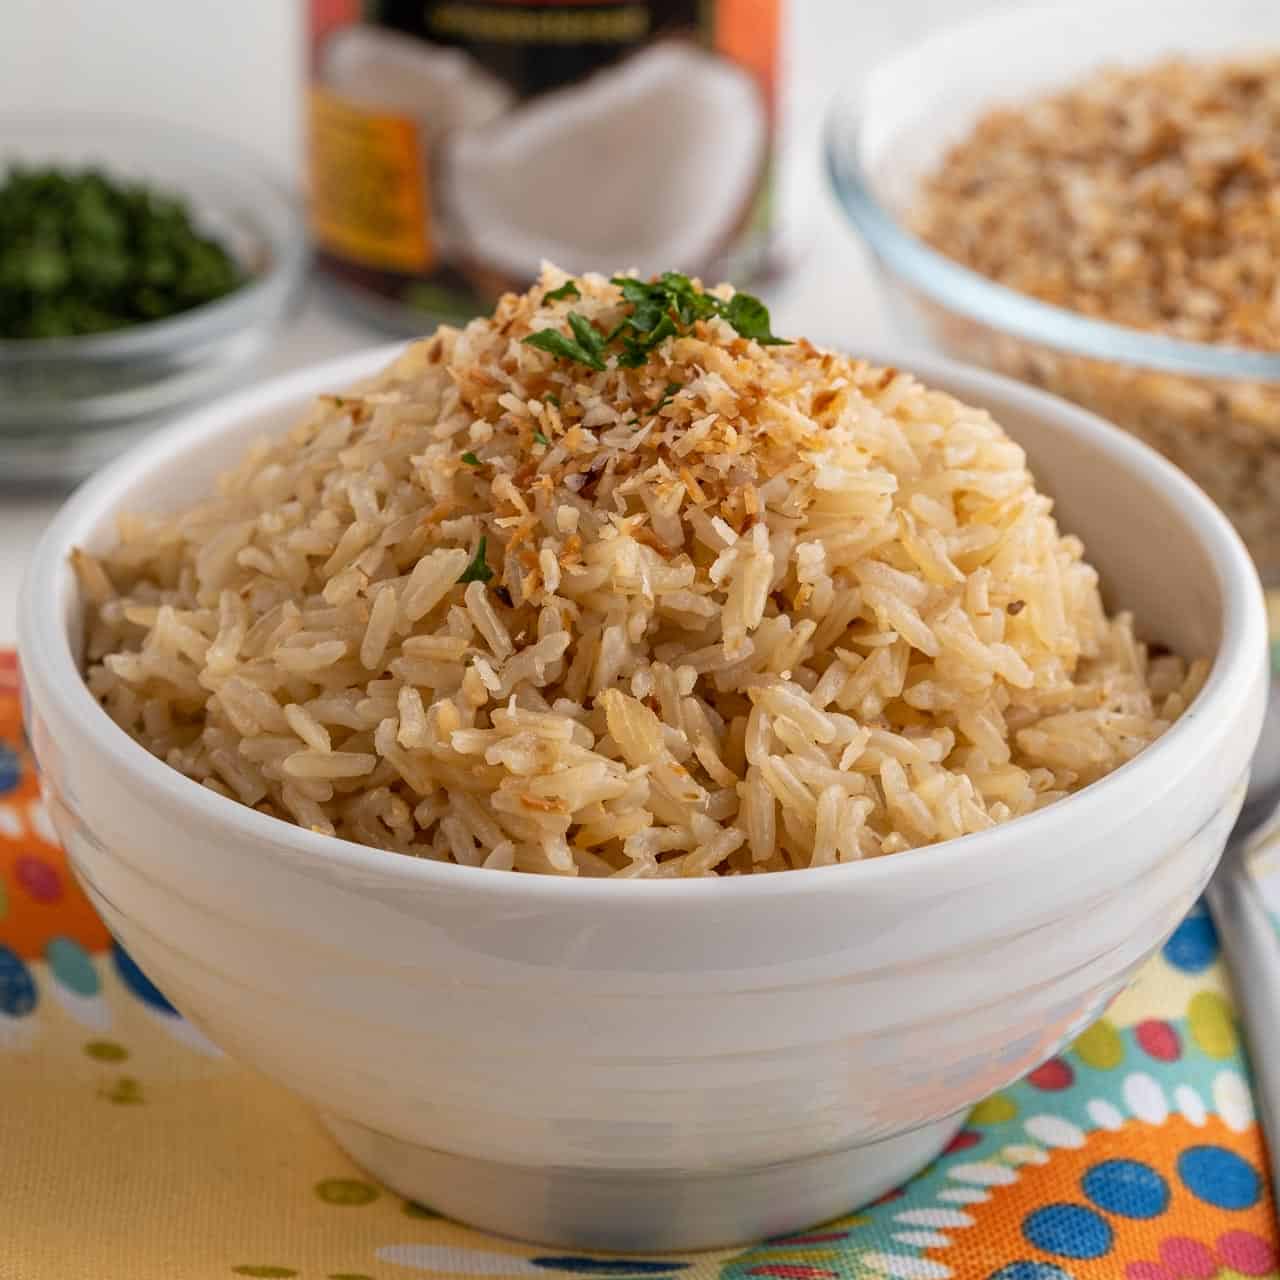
[131, 1149]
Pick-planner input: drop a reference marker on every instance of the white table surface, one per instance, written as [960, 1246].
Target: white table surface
[253, 48]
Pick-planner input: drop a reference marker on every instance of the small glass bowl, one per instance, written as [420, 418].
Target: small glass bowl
[1214, 410]
[69, 404]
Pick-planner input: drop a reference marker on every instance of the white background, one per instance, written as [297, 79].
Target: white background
[235, 68]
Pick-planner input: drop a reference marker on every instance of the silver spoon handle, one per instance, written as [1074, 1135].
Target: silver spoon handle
[1252, 951]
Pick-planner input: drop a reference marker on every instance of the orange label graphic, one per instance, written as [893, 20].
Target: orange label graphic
[368, 185]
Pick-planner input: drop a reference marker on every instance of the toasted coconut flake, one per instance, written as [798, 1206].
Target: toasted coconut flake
[805, 612]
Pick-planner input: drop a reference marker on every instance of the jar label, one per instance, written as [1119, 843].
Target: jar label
[368, 185]
[455, 144]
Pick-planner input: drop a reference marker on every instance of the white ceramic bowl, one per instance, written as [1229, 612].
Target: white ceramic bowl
[659, 1065]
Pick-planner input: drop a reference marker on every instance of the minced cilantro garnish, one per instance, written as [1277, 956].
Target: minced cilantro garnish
[478, 570]
[556, 343]
[470, 459]
[567, 290]
[671, 389]
[540, 438]
[660, 309]
[82, 253]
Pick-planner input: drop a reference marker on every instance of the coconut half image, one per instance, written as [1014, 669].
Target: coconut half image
[439, 89]
[653, 162]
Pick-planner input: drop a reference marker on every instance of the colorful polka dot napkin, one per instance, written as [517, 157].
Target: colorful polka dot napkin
[131, 1149]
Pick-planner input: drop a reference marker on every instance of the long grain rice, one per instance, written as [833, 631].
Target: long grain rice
[808, 613]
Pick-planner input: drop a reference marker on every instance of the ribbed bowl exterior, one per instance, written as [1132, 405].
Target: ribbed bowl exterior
[631, 1027]
[663, 1036]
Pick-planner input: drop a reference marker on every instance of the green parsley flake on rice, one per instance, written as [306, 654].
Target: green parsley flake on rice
[726, 605]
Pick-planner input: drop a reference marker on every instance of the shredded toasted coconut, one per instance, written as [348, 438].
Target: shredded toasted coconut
[802, 612]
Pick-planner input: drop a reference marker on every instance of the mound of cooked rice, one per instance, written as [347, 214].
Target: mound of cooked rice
[742, 608]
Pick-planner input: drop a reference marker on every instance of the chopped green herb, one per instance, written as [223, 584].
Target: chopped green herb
[567, 290]
[588, 336]
[81, 252]
[751, 319]
[549, 398]
[470, 459]
[555, 343]
[617, 331]
[540, 438]
[690, 303]
[478, 570]
[660, 309]
[667, 393]
[635, 350]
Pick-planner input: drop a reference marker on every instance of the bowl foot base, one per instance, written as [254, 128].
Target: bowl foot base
[643, 1212]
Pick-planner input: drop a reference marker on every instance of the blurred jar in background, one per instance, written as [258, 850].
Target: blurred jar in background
[453, 145]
